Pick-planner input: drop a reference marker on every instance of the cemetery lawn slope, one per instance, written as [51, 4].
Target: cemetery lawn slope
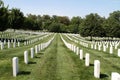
[54, 63]
[59, 63]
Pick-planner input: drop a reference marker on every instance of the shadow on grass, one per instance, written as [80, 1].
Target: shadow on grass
[32, 63]
[83, 58]
[115, 67]
[37, 57]
[24, 73]
[103, 75]
[91, 64]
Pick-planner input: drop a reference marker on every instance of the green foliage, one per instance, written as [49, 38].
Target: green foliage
[64, 20]
[55, 23]
[76, 20]
[112, 24]
[33, 22]
[16, 18]
[46, 21]
[92, 26]
[55, 27]
[3, 16]
[75, 23]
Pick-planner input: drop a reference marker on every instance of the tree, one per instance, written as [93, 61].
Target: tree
[16, 18]
[64, 20]
[74, 24]
[28, 23]
[39, 22]
[112, 24]
[46, 21]
[55, 27]
[32, 22]
[92, 26]
[3, 16]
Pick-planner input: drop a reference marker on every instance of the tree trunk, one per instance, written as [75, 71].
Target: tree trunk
[90, 38]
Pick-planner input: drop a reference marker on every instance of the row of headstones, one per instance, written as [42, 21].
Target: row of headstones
[114, 75]
[28, 41]
[99, 47]
[83, 43]
[30, 32]
[104, 38]
[87, 57]
[38, 48]
[33, 36]
[2, 44]
[68, 37]
[107, 44]
[11, 35]
[101, 43]
[36, 34]
[18, 35]
[16, 43]
[81, 39]
[5, 34]
[35, 40]
[71, 39]
[10, 41]
[96, 38]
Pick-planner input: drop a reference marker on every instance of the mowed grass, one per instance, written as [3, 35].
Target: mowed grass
[109, 62]
[59, 63]
[6, 56]
[56, 63]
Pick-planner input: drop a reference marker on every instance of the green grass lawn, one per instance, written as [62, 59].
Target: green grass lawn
[56, 62]
[6, 56]
[109, 62]
[59, 63]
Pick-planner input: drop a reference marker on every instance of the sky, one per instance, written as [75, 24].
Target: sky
[68, 8]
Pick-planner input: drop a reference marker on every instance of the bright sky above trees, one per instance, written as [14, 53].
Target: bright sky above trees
[65, 7]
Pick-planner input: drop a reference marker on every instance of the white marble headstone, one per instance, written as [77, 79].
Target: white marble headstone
[26, 57]
[15, 66]
[81, 54]
[87, 59]
[97, 69]
[32, 52]
[115, 76]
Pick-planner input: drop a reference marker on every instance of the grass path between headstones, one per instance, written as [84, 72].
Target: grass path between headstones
[6, 56]
[109, 62]
[54, 63]
[59, 63]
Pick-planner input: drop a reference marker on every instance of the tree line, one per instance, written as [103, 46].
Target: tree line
[92, 25]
